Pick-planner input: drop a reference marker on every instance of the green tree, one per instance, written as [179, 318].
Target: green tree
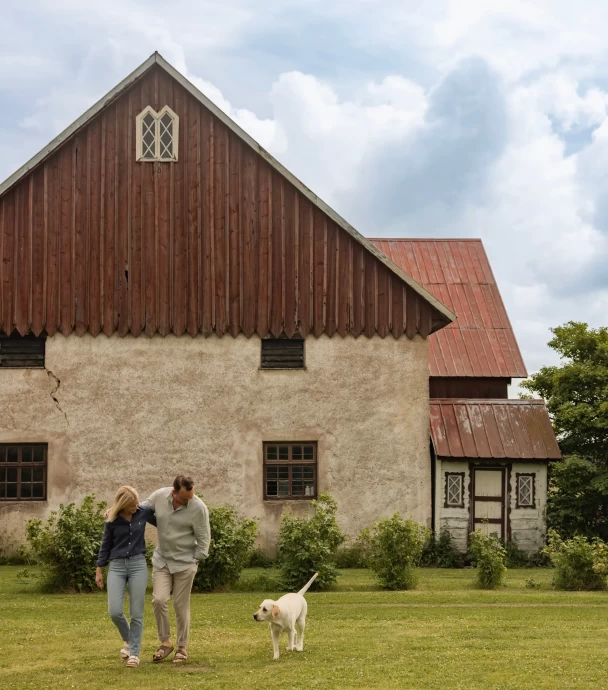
[576, 392]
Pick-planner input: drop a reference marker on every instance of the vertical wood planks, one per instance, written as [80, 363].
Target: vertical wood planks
[92, 240]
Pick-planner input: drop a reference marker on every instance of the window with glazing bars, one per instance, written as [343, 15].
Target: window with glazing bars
[22, 351]
[525, 491]
[454, 489]
[23, 471]
[157, 135]
[290, 470]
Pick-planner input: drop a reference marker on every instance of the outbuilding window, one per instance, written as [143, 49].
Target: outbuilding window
[290, 470]
[525, 490]
[454, 489]
[23, 471]
[157, 135]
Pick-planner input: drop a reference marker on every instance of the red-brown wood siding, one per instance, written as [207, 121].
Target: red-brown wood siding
[93, 241]
[448, 387]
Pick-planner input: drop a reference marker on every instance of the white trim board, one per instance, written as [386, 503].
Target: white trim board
[157, 59]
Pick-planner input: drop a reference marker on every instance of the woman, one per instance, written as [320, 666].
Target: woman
[124, 546]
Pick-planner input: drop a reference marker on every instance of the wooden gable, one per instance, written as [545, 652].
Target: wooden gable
[224, 240]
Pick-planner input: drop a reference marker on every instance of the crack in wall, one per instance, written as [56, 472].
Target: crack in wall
[54, 391]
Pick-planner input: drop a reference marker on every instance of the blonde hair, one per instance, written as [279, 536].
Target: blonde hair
[125, 497]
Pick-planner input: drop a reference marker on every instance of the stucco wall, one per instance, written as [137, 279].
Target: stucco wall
[139, 411]
[528, 525]
[456, 520]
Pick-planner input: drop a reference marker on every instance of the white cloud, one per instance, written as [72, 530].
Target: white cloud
[455, 168]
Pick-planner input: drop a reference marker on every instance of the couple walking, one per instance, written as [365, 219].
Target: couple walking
[182, 521]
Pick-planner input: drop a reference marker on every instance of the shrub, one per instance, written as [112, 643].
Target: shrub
[67, 544]
[515, 558]
[579, 564]
[441, 552]
[396, 550]
[259, 559]
[232, 543]
[149, 553]
[531, 583]
[489, 556]
[356, 553]
[309, 545]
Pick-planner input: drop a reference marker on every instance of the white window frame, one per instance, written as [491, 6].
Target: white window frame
[530, 479]
[157, 125]
[450, 477]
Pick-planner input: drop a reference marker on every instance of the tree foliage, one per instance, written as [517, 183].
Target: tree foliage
[576, 391]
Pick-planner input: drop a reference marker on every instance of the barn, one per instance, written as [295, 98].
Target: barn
[172, 299]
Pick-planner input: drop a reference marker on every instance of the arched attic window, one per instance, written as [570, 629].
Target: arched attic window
[157, 135]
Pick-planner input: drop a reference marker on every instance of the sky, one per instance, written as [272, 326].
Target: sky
[438, 118]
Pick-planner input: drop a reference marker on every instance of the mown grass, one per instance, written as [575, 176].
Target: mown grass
[446, 634]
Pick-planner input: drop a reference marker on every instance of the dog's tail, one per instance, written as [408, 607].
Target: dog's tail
[307, 585]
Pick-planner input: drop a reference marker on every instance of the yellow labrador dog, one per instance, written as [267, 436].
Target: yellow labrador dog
[285, 615]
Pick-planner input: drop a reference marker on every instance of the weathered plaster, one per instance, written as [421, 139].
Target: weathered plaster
[528, 525]
[138, 411]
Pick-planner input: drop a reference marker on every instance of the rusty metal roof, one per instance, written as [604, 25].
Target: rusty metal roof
[513, 429]
[457, 272]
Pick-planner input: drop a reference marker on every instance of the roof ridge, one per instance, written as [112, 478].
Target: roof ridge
[157, 59]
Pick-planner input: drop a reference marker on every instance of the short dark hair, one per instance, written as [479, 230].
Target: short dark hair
[183, 482]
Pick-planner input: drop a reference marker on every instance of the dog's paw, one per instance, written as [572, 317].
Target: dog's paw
[299, 649]
[275, 658]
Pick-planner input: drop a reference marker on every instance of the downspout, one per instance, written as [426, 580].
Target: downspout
[433, 483]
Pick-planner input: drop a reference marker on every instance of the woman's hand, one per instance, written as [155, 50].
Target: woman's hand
[99, 578]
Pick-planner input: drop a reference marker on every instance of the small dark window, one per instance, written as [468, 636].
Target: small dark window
[23, 472]
[22, 351]
[283, 353]
[290, 470]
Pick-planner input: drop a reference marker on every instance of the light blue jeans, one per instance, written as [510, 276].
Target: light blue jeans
[131, 573]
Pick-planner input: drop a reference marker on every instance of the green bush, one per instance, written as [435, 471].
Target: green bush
[441, 552]
[309, 545]
[515, 558]
[579, 564]
[149, 553]
[488, 555]
[67, 544]
[259, 559]
[355, 554]
[395, 551]
[232, 543]
[268, 581]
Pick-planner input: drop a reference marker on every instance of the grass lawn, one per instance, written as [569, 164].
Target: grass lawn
[443, 635]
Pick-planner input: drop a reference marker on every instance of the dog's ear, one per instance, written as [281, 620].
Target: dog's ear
[275, 610]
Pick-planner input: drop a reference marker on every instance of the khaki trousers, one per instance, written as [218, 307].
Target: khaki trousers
[165, 584]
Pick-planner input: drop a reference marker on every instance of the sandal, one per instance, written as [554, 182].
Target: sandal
[162, 653]
[133, 661]
[180, 656]
[125, 652]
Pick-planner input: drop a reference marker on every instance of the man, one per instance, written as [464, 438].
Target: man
[183, 540]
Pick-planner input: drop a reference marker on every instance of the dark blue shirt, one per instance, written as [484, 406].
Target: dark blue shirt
[124, 539]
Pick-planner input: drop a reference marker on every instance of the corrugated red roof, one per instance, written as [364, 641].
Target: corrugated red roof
[513, 429]
[481, 341]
